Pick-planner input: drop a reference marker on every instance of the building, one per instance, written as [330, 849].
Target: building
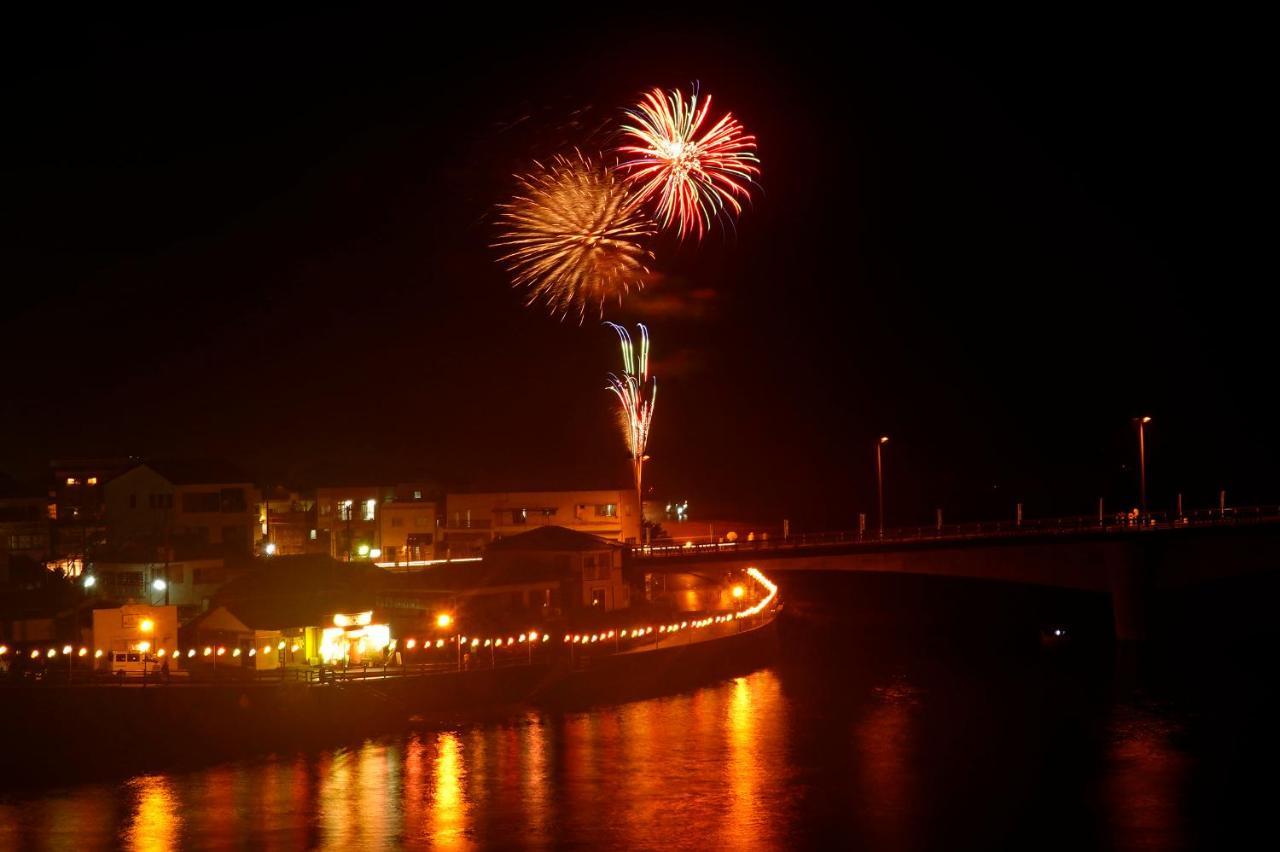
[348, 517]
[286, 609]
[543, 574]
[188, 584]
[135, 632]
[24, 521]
[181, 508]
[287, 524]
[590, 570]
[78, 508]
[407, 531]
[473, 520]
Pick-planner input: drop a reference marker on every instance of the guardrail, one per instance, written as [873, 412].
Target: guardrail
[1073, 525]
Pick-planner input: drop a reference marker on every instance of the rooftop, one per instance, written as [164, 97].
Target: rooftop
[299, 591]
[550, 538]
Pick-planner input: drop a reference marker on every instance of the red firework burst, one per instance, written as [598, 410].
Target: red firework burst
[691, 176]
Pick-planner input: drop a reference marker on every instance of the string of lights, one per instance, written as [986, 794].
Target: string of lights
[528, 638]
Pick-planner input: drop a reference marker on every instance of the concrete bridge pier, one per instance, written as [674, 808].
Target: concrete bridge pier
[1129, 582]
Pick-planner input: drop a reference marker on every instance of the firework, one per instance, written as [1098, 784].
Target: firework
[636, 393]
[574, 236]
[691, 175]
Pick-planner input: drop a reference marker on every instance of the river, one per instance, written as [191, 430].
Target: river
[899, 714]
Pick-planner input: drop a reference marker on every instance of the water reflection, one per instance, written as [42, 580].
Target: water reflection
[830, 749]
[156, 822]
[883, 739]
[745, 773]
[448, 812]
[534, 790]
[1146, 780]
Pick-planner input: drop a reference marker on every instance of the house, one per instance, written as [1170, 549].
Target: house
[78, 508]
[181, 508]
[473, 520]
[591, 569]
[24, 521]
[546, 573]
[189, 584]
[407, 531]
[348, 516]
[287, 610]
[136, 629]
[287, 523]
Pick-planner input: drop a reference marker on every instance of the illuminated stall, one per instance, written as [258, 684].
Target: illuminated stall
[354, 638]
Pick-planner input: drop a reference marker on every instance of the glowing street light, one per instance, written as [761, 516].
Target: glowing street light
[884, 439]
[738, 592]
[90, 581]
[159, 584]
[443, 620]
[270, 548]
[1142, 463]
[146, 625]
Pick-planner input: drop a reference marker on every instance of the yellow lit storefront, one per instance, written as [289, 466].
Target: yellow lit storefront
[354, 639]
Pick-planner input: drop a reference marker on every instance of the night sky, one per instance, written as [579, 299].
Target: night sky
[996, 239]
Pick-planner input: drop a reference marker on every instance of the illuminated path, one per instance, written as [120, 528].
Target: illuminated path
[1128, 563]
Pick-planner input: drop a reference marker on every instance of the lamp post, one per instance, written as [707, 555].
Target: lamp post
[884, 439]
[1142, 464]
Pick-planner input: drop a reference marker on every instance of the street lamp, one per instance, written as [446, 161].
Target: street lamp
[884, 439]
[1142, 463]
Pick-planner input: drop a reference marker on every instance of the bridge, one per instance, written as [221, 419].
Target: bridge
[1127, 558]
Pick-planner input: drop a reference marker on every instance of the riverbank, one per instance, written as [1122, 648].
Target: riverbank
[133, 727]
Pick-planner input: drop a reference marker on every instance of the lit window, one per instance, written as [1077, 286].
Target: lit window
[417, 495]
[313, 535]
[93, 480]
[71, 480]
[344, 510]
[370, 507]
[607, 510]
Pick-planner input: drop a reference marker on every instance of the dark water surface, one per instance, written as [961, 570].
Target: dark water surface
[900, 714]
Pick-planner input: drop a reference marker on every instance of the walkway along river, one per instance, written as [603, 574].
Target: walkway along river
[143, 722]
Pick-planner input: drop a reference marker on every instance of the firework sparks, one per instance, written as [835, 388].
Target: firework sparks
[574, 236]
[693, 176]
[636, 393]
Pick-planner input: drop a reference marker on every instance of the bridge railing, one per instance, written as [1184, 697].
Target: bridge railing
[1070, 525]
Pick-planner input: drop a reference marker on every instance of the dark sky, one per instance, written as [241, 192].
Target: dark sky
[996, 239]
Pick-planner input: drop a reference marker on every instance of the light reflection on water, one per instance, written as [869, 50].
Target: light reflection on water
[157, 819]
[705, 768]
[849, 745]
[740, 764]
